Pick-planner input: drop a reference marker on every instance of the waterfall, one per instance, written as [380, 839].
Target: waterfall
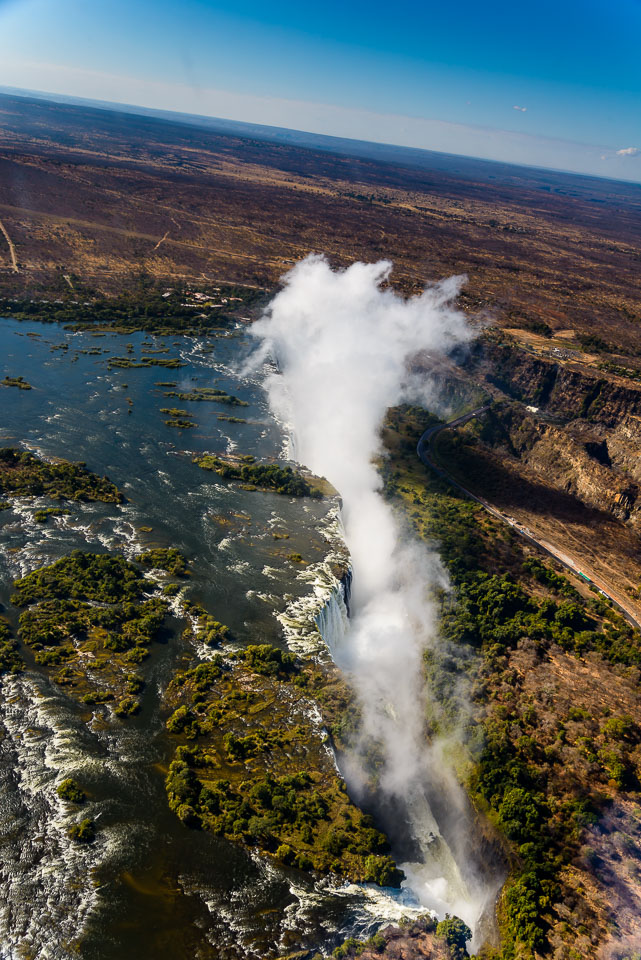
[439, 868]
[332, 620]
[344, 341]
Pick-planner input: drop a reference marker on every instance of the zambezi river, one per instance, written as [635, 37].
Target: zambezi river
[149, 887]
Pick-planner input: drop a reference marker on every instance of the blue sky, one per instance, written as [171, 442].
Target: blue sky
[551, 83]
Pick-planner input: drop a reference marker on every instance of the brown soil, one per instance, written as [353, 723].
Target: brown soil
[103, 195]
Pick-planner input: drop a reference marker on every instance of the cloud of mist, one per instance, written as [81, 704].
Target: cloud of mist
[342, 342]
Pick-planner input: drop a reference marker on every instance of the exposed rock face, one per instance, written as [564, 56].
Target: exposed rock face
[591, 449]
[568, 390]
[600, 467]
[415, 942]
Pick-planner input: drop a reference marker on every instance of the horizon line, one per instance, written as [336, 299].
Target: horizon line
[133, 109]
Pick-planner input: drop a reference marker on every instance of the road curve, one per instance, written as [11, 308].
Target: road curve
[425, 454]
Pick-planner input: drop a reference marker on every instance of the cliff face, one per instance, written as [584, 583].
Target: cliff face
[415, 941]
[567, 390]
[586, 439]
[600, 467]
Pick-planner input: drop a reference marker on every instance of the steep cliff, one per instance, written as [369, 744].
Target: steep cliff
[567, 389]
[600, 467]
[584, 437]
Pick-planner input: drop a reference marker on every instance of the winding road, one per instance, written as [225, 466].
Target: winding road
[426, 455]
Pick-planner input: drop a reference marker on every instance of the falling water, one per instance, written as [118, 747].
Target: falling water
[342, 346]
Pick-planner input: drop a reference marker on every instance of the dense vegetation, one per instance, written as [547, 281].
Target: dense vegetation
[84, 831]
[81, 576]
[24, 475]
[283, 480]
[544, 767]
[206, 395]
[85, 617]
[42, 516]
[355, 948]
[268, 660]
[69, 791]
[294, 817]
[456, 935]
[144, 308]
[209, 631]
[258, 774]
[10, 659]
[164, 558]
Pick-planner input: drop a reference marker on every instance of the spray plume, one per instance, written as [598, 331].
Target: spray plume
[342, 345]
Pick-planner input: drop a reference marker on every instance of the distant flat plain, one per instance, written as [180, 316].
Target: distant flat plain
[105, 194]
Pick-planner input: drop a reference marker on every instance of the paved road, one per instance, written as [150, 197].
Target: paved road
[425, 452]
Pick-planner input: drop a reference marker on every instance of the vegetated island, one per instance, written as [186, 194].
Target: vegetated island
[180, 419]
[559, 750]
[70, 791]
[146, 360]
[23, 474]
[207, 394]
[10, 659]
[168, 559]
[85, 617]
[258, 476]
[251, 767]
[175, 412]
[18, 382]
[180, 424]
[42, 516]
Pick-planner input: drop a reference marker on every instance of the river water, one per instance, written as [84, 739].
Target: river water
[149, 887]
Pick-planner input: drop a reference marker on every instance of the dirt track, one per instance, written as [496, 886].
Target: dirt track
[12, 249]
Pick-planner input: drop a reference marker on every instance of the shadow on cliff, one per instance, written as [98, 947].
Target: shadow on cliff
[509, 488]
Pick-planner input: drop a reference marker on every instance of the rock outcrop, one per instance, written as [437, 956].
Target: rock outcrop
[569, 390]
[585, 437]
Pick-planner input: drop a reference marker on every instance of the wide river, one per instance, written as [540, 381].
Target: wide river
[149, 887]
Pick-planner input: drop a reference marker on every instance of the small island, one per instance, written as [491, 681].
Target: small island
[146, 360]
[18, 382]
[207, 394]
[23, 474]
[284, 480]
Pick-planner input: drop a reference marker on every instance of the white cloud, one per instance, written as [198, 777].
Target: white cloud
[628, 152]
[522, 109]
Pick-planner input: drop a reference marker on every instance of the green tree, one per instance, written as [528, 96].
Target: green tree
[456, 933]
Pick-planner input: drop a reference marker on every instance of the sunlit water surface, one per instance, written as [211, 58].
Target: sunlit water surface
[149, 887]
